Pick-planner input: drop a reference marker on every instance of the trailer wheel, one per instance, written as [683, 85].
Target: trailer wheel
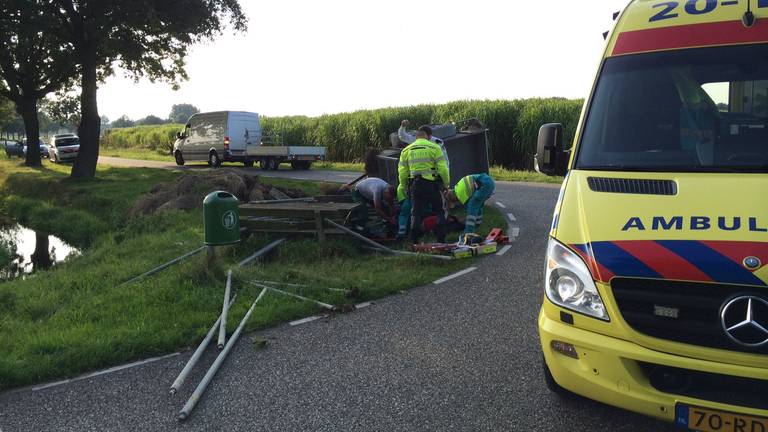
[179, 158]
[296, 165]
[248, 163]
[213, 160]
[263, 164]
[305, 165]
[273, 164]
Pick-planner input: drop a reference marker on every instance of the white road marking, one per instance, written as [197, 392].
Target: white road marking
[498, 203]
[307, 320]
[105, 371]
[504, 250]
[455, 275]
[515, 232]
[511, 217]
[363, 305]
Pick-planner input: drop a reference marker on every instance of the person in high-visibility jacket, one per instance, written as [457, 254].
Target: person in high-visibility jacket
[424, 171]
[473, 191]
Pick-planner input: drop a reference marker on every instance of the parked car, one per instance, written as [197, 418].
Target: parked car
[12, 148]
[43, 150]
[64, 148]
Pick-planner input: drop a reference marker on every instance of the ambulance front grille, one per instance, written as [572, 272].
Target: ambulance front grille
[632, 186]
[685, 312]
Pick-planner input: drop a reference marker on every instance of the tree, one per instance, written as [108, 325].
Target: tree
[180, 113]
[64, 110]
[150, 120]
[7, 113]
[34, 62]
[146, 38]
[123, 121]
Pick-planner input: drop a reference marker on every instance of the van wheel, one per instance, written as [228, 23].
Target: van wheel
[179, 158]
[552, 385]
[213, 160]
[248, 163]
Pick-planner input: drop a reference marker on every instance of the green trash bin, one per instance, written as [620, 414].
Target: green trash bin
[221, 219]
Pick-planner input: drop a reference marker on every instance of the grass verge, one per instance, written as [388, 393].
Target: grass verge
[135, 153]
[76, 317]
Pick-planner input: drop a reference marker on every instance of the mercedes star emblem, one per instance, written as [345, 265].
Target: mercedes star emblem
[745, 320]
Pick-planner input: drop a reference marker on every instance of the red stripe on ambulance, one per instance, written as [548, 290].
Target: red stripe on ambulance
[690, 36]
[663, 261]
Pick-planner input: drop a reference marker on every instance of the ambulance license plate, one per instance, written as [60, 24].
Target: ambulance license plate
[706, 420]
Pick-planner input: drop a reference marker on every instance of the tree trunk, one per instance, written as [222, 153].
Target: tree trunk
[28, 111]
[41, 257]
[90, 121]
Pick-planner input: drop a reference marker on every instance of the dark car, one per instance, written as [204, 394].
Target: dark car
[43, 150]
[13, 148]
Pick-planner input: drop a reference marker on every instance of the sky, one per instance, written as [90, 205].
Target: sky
[309, 57]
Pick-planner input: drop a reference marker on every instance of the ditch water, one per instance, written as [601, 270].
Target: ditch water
[24, 251]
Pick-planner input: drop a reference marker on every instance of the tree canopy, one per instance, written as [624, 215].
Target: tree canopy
[145, 38]
[150, 120]
[34, 61]
[122, 121]
[180, 113]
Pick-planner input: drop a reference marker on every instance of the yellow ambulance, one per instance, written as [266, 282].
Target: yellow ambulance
[656, 283]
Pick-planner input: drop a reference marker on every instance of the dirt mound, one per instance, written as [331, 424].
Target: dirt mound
[188, 191]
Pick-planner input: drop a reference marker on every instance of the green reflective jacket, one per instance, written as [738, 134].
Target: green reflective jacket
[424, 158]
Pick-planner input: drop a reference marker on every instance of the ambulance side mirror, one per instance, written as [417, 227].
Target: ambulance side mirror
[551, 158]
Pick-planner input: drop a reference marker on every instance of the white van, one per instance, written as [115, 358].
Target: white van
[235, 136]
[218, 137]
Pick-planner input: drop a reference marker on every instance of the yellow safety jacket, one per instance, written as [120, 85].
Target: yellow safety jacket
[424, 158]
[464, 189]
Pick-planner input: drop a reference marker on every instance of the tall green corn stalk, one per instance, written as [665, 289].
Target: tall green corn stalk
[159, 138]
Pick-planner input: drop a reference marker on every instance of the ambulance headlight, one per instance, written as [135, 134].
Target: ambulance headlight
[569, 283]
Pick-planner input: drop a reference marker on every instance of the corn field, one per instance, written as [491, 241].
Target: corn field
[159, 138]
[513, 124]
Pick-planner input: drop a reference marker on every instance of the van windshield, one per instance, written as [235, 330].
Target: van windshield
[697, 110]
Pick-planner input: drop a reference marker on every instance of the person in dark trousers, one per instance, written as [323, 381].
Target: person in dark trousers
[375, 192]
[424, 169]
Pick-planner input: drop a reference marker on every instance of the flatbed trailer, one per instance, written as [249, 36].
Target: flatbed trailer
[271, 156]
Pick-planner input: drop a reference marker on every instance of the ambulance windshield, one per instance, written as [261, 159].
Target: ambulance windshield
[697, 110]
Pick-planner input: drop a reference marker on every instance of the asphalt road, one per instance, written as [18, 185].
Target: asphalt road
[462, 355]
[285, 172]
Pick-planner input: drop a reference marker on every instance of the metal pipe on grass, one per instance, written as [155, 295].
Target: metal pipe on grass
[319, 303]
[198, 353]
[192, 402]
[279, 201]
[301, 286]
[164, 266]
[260, 253]
[224, 309]
[382, 247]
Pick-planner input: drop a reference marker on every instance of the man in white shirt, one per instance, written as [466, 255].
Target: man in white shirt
[409, 138]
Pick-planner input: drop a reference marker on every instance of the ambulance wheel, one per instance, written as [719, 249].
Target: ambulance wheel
[179, 158]
[552, 385]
